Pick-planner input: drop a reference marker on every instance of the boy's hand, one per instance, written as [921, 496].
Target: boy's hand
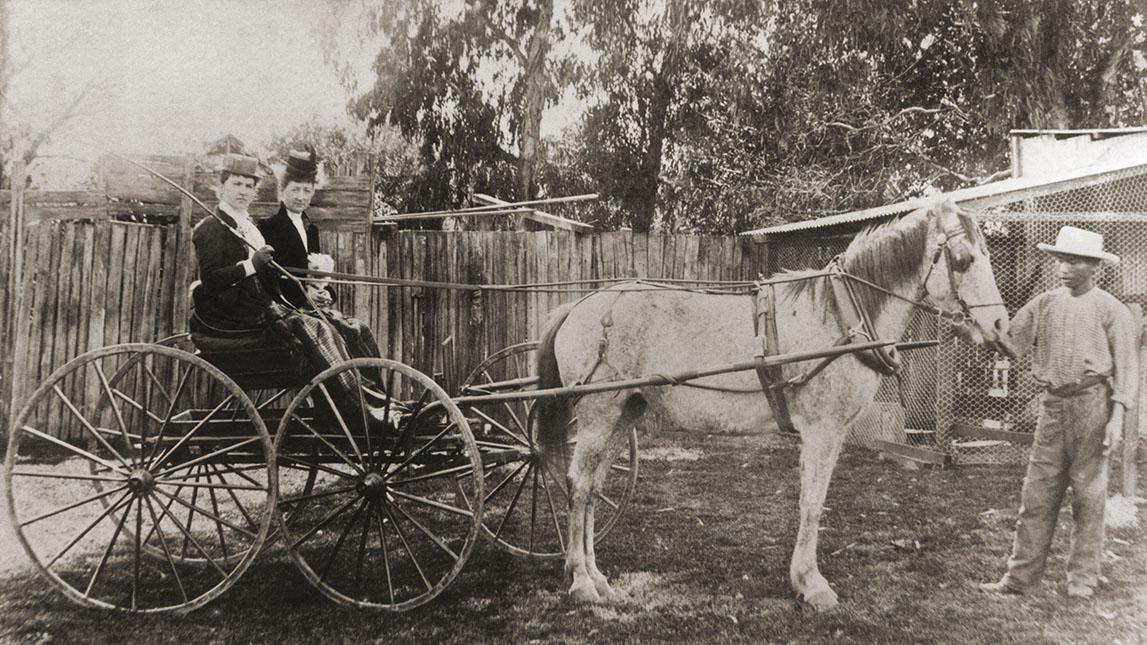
[1113, 432]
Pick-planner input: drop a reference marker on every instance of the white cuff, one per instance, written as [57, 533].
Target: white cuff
[248, 268]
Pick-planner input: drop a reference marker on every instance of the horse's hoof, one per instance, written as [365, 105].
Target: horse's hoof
[584, 593]
[823, 600]
[604, 589]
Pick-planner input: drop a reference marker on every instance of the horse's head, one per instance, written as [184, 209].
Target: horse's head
[960, 280]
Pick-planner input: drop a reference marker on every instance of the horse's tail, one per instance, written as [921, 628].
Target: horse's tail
[552, 413]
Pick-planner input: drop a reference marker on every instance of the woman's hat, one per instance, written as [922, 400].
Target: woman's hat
[301, 166]
[238, 164]
[1081, 242]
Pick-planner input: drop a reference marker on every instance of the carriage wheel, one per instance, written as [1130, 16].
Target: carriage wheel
[380, 526]
[526, 503]
[140, 478]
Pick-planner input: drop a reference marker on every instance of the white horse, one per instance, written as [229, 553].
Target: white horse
[936, 253]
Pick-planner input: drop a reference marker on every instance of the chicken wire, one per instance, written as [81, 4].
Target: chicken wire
[955, 387]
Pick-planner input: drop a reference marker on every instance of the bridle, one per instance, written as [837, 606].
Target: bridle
[923, 300]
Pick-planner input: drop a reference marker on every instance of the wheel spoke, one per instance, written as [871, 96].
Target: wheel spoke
[111, 401]
[406, 545]
[362, 548]
[159, 461]
[107, 511]
[342, 424]
[224, 486]
[193, 508]
[362, 411]
[533, 509]
[138, 406]
[505, 481]
[429, 502]
[342, 538]
[205, 458]
[291, 459]
[231, 488]
[187, 536]
[73, 449]
[48, 475]
[136, 550]
[88, 426]
[82, 502]
[322, 524]
[152, 377]
[167, 417]
[218, 526]
[318, 435]
[501, 427]
[417, 453]
[554, 516]
[107, 552]
[444, 472]
[513, 501]
[166, 550]
[428, 533]
[311, 496]
[278, 395]
[385, 554]
[609, 502]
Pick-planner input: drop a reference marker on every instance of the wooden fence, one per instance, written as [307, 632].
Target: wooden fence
[78, 275]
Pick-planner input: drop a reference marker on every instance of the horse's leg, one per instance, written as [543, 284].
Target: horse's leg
[820, 447]
[600, 582]
[590, 466]
[580, 482]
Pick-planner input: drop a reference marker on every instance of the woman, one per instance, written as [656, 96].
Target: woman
[293, 237]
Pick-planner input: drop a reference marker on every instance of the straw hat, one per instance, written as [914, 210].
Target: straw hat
[1081, 242]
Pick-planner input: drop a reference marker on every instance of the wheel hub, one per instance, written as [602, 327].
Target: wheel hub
[141, 481]
[372, 485]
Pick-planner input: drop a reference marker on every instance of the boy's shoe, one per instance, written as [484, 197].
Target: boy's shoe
[1078, 590]
[1000, 588]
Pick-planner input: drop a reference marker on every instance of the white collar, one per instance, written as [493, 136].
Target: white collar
[230, 210]
[295, 217]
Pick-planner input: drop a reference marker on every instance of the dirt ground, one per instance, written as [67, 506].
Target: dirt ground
[701, 556]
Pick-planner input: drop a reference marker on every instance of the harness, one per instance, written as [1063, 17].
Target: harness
[856, 323]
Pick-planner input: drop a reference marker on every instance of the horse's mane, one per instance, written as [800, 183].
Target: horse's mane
[886, 254]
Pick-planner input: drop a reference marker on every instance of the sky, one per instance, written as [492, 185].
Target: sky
[166, 76]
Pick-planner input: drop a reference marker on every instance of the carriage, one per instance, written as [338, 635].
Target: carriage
[182, 465]
[148, 477]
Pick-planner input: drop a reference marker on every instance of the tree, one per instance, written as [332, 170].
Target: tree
[465, 88]
[865, 103]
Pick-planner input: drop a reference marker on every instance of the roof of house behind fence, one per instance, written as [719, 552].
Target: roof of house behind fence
[998, 191]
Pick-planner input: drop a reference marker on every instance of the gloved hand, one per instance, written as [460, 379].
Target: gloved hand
[263, 257]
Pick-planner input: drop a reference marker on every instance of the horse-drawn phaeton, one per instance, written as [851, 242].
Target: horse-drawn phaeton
[147, 477]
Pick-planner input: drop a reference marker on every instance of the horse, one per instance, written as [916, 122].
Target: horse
[936, 253]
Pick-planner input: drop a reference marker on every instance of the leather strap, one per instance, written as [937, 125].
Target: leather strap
[772, 377]
[856, 322]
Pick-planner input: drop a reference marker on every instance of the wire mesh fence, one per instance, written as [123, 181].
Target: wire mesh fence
[968, 401]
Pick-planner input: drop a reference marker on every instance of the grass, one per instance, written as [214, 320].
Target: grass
[702, 556]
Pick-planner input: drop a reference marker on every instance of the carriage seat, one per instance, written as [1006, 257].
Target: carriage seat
[252, 360]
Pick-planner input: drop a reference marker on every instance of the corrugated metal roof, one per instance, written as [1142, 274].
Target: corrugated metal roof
[993, 191]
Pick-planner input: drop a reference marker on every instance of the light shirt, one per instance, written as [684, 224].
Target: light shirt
[297, 220]
[246, 229]
[1072, 337]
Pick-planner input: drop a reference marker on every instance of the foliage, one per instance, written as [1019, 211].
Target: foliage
[719, 115]
[462, 87]
[866, 103]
